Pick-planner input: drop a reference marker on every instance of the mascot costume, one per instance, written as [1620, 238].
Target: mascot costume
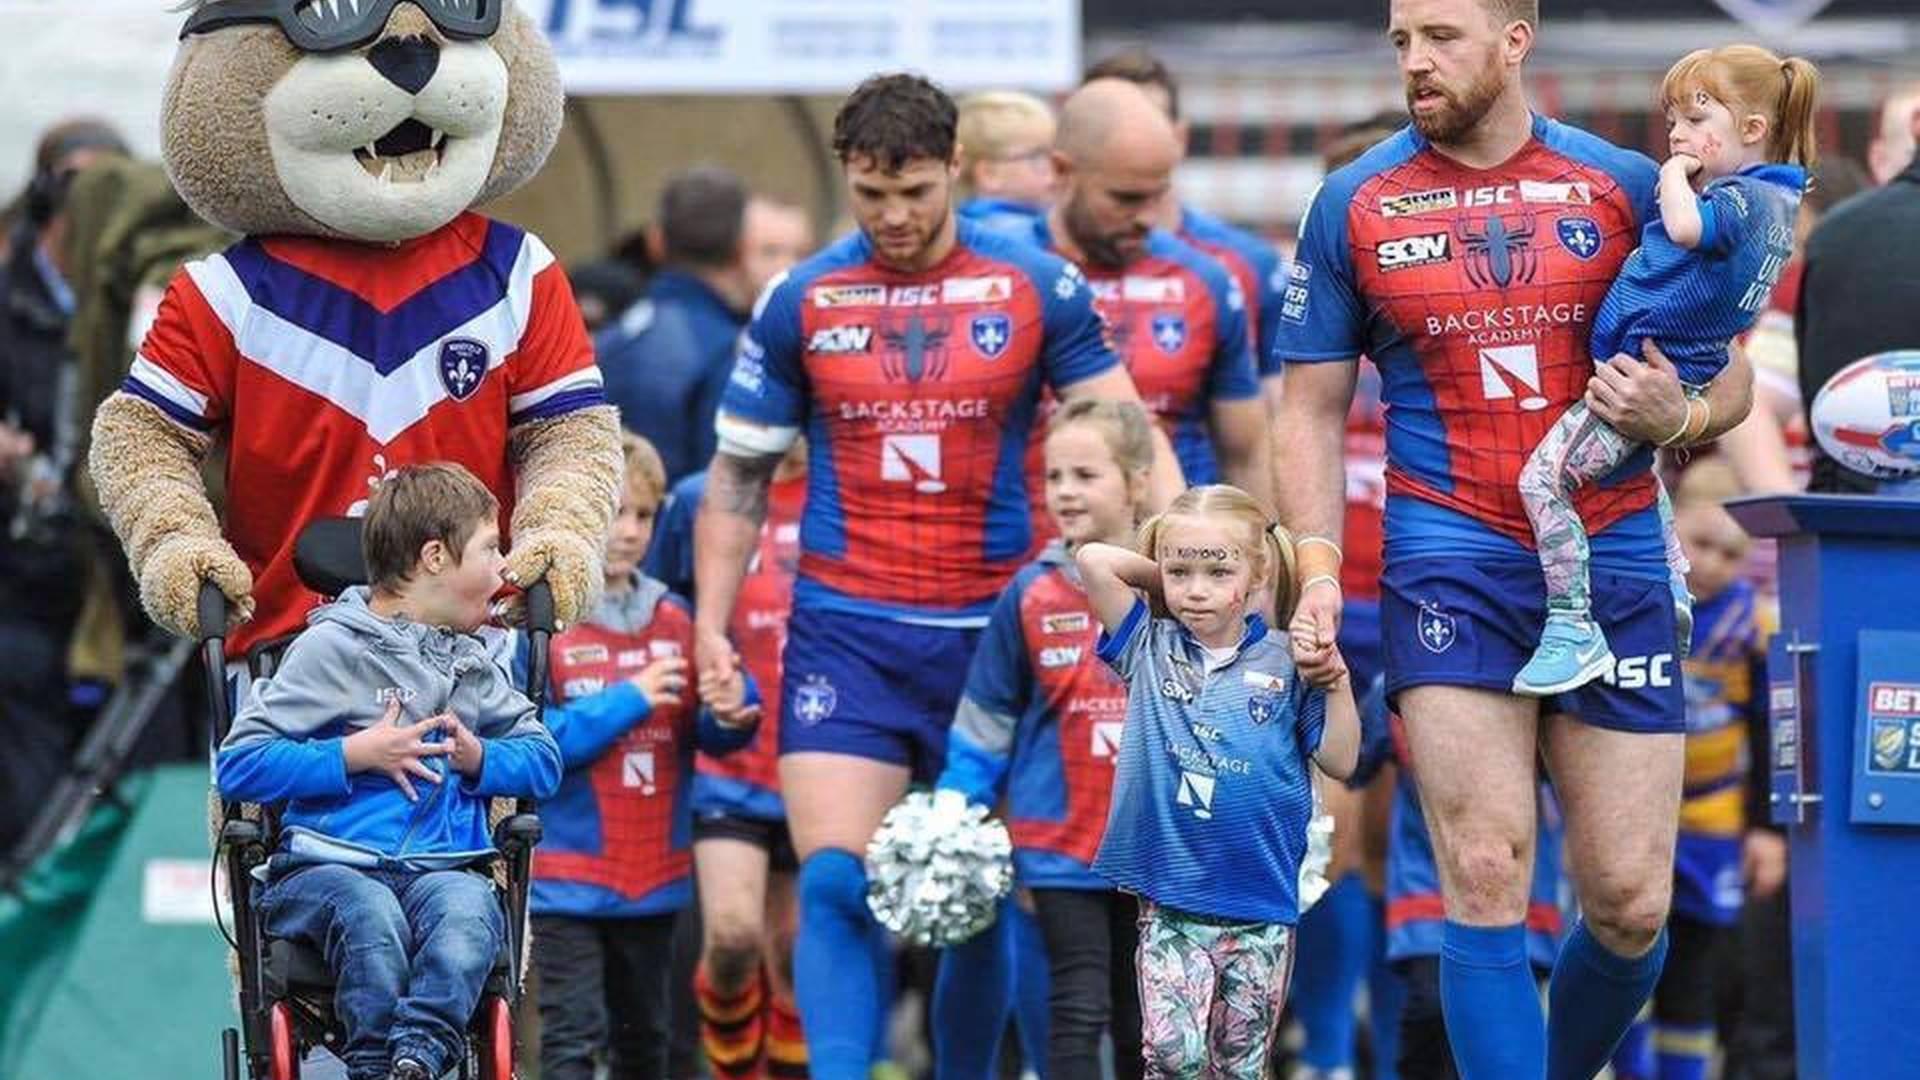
[368, 319]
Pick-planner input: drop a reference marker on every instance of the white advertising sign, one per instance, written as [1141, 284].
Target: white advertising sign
[807, 46]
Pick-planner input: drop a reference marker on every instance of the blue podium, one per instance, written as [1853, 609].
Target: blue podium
[1844, 756]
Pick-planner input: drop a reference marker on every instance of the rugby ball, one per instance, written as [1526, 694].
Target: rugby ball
[1867, 417]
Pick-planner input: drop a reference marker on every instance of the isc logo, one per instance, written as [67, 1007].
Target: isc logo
[1412, 251]
[1639, 672]
[841, 339]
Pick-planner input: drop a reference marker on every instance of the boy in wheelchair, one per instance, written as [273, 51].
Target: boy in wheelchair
[385, 731]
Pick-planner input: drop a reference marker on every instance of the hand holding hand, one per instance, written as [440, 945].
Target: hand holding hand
[726, 697]
[395, 750]
[1315, 625]
[469, 752]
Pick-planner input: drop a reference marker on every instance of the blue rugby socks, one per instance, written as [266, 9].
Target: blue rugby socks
[1386, 996]
[1490, 1002]
[1336, 945]
[834, 973]
[1592, 999]
[972, 999]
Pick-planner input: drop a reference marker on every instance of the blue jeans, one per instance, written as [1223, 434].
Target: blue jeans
[409, 952]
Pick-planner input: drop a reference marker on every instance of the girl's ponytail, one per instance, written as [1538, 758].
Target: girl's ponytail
[1284, 565]
[1793, 136]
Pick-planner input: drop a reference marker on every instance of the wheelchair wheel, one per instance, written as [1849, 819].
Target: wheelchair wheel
[286, 1056]
[496, 1039]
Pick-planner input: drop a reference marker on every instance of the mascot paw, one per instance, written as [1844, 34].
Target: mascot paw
[570, 565]
[170, 582]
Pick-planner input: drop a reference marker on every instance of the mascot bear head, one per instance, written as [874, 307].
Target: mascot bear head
[368, 120]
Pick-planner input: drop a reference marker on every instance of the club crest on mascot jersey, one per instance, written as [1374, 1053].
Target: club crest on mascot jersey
[334, 136]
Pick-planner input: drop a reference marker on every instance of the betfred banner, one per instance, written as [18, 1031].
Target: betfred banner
[807, 46]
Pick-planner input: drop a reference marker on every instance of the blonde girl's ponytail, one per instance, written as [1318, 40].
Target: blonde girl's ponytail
[1284, 565]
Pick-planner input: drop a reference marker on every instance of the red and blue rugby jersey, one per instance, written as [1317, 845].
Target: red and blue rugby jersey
[329, 365]
[1255, 265]
[748, 781]
[1474, 291]
[1041, 719]
[1178, 320]
[617, 833]
[918, 394]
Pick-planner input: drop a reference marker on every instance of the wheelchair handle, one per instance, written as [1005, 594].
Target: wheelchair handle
[212, 610]
[540, 606]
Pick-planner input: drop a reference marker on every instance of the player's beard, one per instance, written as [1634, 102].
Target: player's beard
[917, 259]
[1462, 111]
[1105, 250]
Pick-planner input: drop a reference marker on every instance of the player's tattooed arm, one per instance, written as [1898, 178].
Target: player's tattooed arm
[738, 484]
[725, 533]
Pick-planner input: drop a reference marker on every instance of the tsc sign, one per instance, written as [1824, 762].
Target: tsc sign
[807, 46]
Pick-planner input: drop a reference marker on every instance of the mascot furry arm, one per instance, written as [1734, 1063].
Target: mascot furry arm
[351, 168]
[147, 468]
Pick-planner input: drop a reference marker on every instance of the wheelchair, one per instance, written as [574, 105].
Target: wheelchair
[286, 991]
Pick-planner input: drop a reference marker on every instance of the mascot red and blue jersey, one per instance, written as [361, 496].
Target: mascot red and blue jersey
[368, 318]
[330, 366]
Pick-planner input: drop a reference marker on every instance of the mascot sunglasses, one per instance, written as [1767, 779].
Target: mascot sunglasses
[323, 26]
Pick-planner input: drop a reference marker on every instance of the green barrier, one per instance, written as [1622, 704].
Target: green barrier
[114, 967]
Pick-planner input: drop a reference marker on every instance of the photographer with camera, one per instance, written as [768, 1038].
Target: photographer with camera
[41, 556]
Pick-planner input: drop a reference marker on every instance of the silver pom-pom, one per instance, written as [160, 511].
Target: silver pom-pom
[937, 869]
[1313, 867]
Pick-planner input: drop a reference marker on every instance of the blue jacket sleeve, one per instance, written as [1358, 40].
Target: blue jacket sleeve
[998, 690]
[716, 738]
[1271, 271]
[586, 726]
[521, 759]
[286, 742]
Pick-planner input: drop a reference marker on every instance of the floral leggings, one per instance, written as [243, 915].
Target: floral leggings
[1580, 448]
[1210, 994]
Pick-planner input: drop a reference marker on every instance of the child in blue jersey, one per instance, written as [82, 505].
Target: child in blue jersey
[1741, 131]
[1213, 789]
[1038, 725]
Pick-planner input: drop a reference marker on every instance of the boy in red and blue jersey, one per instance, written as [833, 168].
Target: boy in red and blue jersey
[614, 866]
[1466, 257]
[743, 853]
[912, 356]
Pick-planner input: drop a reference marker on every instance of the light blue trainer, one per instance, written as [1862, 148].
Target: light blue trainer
[1572, 653]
